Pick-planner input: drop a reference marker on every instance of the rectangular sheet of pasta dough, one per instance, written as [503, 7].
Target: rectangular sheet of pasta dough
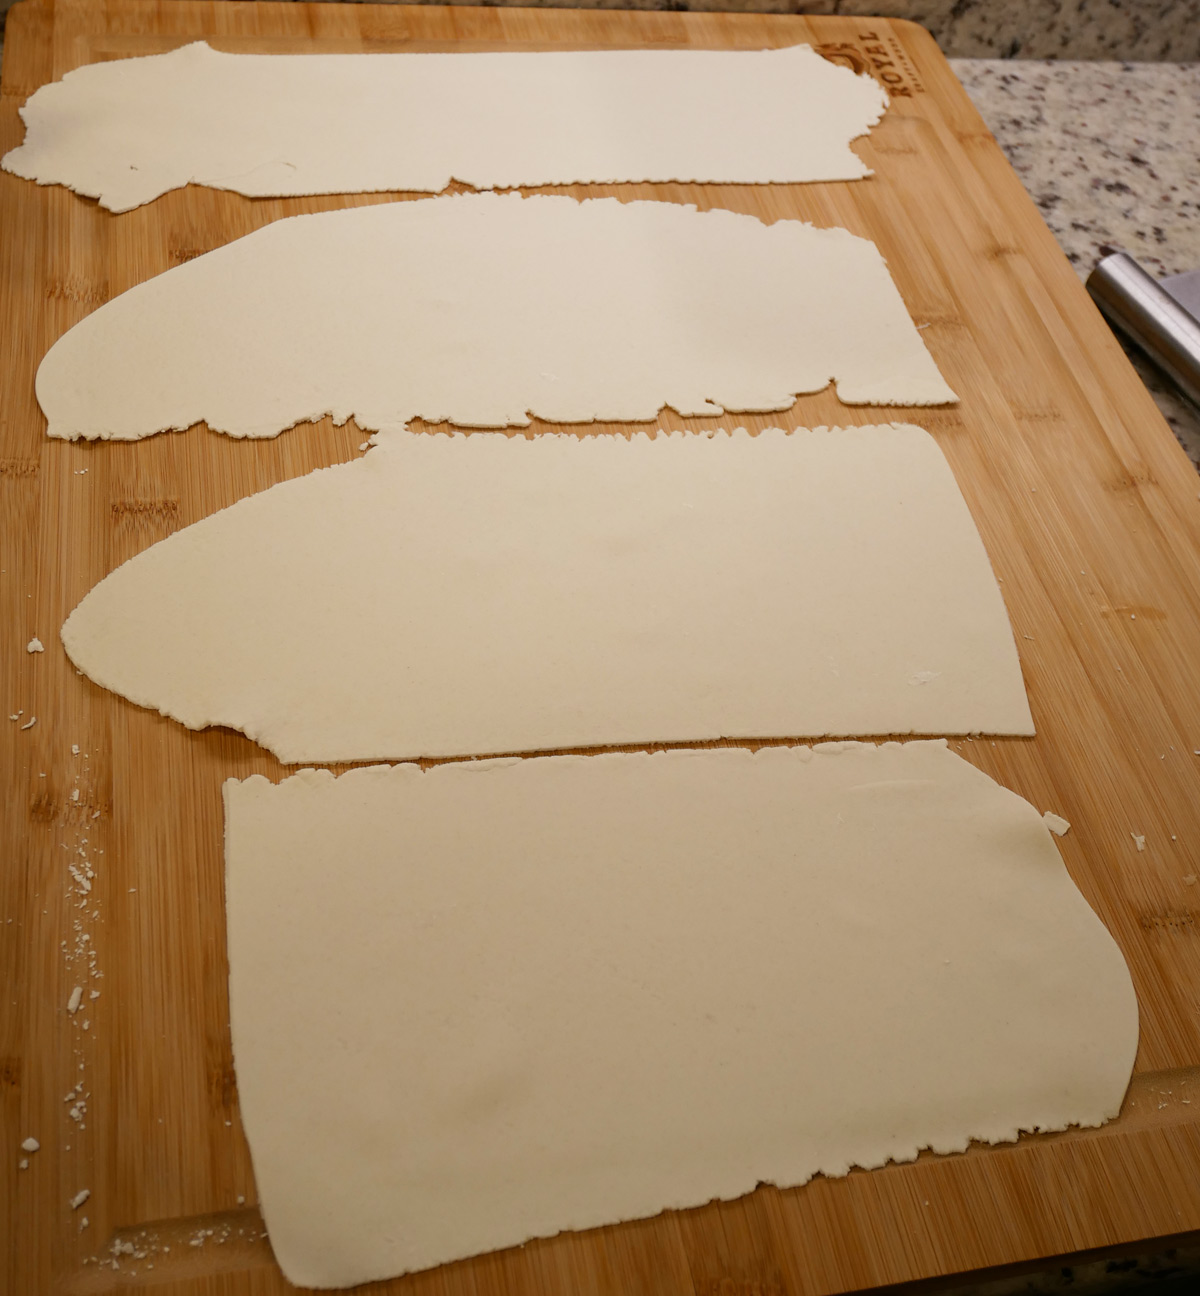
[483, 309]
[464, 595]
[505, 998]
[128, 130]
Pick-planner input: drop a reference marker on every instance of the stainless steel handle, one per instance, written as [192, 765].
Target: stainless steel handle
[1140, 307]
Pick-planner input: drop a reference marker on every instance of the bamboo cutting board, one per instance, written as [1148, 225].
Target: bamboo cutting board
[1088, 508]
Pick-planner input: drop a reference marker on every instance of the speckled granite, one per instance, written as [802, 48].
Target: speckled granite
[1111, 154]
[1069, 29]
[1167, 1273]
[1147, 30]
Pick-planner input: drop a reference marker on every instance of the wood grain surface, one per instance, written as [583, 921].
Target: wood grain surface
[1088, 508]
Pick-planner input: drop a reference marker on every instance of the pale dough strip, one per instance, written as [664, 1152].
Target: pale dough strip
[501, 999]
[484, 309]
[128, 130]
[464, 595]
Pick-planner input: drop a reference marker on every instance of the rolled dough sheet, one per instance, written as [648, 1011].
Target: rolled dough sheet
[473, 594]
[267, 124]
[505, 998]
[483, 309]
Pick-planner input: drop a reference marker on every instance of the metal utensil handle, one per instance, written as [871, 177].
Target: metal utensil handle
[1136, 303]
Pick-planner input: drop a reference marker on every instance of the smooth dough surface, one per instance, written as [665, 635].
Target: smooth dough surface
[483, 309]
[501, 999]
[128, 130]
[475, 594]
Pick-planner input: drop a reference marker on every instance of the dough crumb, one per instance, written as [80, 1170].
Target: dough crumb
[1138, 840]
[35, 645]
[30, 1145]
[1056, 823]
[75, 999]
[80, 1197]
[29, 724]
[23, 1164]
[1189, 879]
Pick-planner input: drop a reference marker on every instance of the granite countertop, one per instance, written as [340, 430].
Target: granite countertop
[1111, 155]
[1031, 29]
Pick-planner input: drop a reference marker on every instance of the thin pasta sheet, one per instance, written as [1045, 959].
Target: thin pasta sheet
[473, 594]
[271, 125]
[500, 999]
[485, 309]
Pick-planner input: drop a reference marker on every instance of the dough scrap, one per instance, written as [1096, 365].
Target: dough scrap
[129, 130]
[500, 999]
[484, 308]
[472, 594]
[1056, 823]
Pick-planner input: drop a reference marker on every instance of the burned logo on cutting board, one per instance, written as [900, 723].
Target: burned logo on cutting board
[882, 56]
